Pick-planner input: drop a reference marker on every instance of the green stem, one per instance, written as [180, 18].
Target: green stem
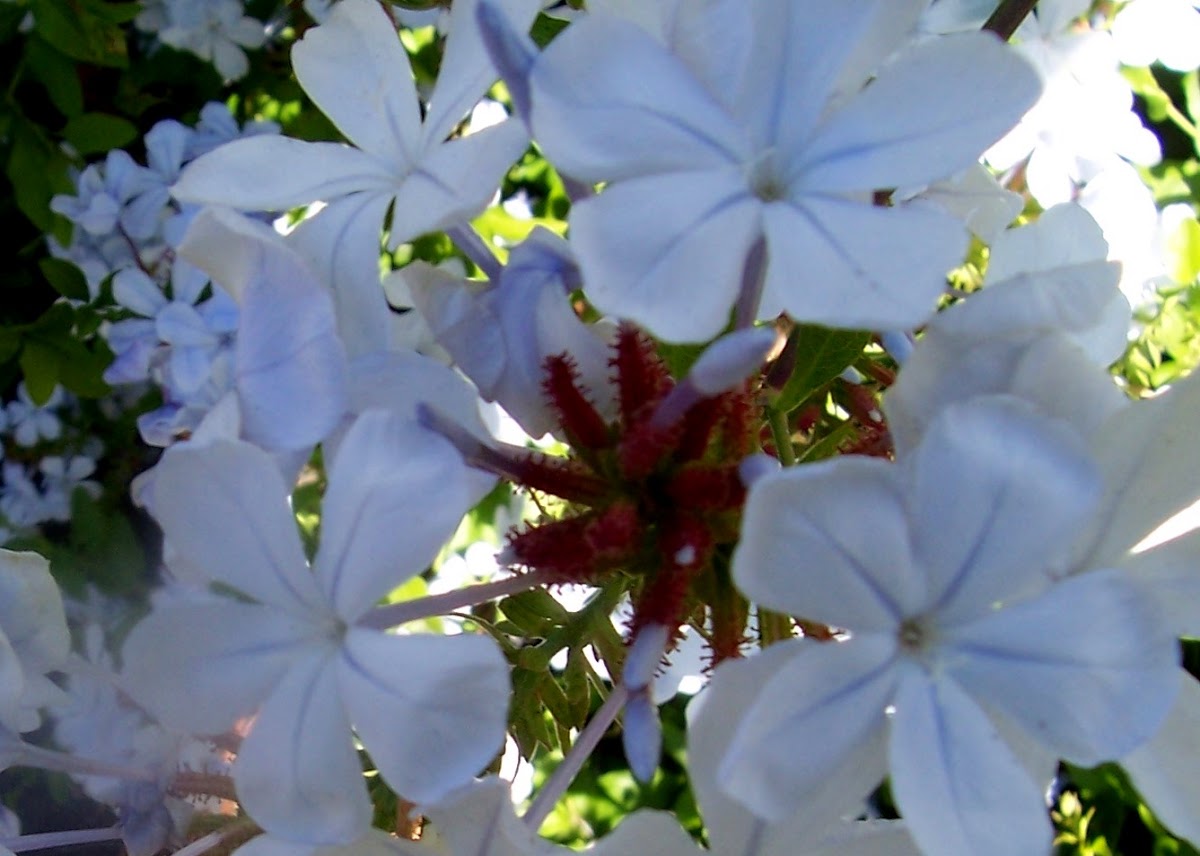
[781, 433]
[1008, 16]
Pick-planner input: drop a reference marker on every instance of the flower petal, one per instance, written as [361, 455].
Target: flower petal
[199, 666]
[1150, 472]
[1087, 668]
[225, 508]
[588, 89]
[810, 720]
[396, 494]
[297, 773]
[431, 710]
[921, 119]
[454, 181]
[829, 542]
[997, 495]
[1164, 769]
[649, 246]
[863, 266]
[354, 68]
[341, 244]
[956, 782]
[270, 173]
[732, 828]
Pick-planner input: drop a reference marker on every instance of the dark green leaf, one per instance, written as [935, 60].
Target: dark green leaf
[821, 354]
[93, 133]
[67, 279]
[37, 171]
[74, 28]
[40, 366]
[545, 28]
[57, 73]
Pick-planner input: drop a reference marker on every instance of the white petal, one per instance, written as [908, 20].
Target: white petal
[862, 265]
[1087, 668]
[649, 833]
[466, 71]
[374, 843]
[454, 181]
[341, 244]
[268, 173]
[997, 495]
[290, 363]
[31, 611]
[801, 48]
[651, 245]
[1164, 769]
[589, 88]
[224, 507]
[480, 820]
[396, 494]
[956, 782]
[297, 773]
[1150, 472]
[201, 666]
[354, 68]
[400, 380]
[922, 118]
[712, 719]
[431, 710]
[1170, 572]
[829, 542]
[807, 723]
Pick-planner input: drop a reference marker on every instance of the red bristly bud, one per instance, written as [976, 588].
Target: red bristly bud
[642, 379]
[584, 426]
[708, 488]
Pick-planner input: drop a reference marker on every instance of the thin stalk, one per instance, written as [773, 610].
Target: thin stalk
[581, 750]
[1008, 16]
[27, 755]
[468, 240]
[754, 277]
[46, 840]
[781, 434]
[384, 617]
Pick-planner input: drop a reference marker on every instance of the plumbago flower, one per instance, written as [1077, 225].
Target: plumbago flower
[294, 648]
[1048, 322]
[355, 69]
[758, 151]
[958, 651]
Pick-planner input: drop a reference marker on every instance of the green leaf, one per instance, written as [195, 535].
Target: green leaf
[545, 28]
[67, 279]
[57, 74]
[1184, 246]
[820, 355]
[1190, 83]
[93, 133]
[73, 27]
[37, 171]
[40, 366]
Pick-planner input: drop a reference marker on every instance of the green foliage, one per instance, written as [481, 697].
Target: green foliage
[817, 355]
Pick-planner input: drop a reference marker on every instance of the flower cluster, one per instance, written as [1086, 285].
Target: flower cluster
[819, 388]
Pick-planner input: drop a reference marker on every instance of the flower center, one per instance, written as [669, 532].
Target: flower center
[765, 181]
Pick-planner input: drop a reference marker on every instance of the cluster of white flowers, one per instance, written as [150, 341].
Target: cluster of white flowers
[969, 611]
[217, 31]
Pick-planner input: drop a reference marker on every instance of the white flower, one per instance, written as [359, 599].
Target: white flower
[1167, 31]
[355, 69]
[214, 30]
[939, 568]
[430, 710]
[764, 130]
[30, 422]
[1045, 328]
[33, 639]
